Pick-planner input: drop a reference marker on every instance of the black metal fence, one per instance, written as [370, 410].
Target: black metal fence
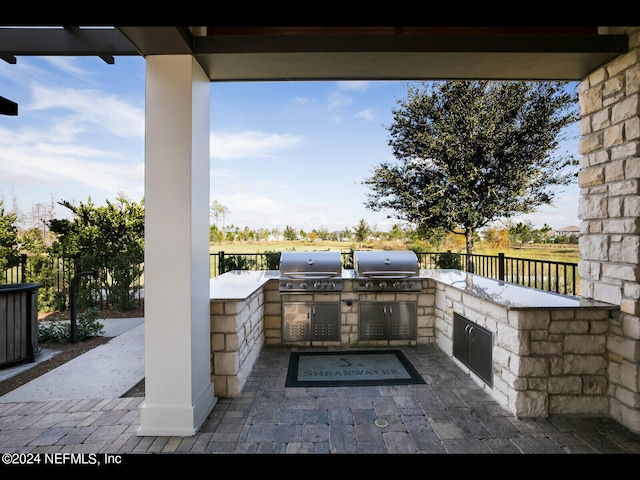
[15, 269]
[549, 275]
[55, 275]
[559, 277]
[552, 276]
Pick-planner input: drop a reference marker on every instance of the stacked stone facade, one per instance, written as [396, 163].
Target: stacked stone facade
[237, 337]
[609, 211]
[546, 361]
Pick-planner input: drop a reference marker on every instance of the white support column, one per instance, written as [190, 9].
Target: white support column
[178, 389]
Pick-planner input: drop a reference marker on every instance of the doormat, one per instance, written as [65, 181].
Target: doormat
[350, 369]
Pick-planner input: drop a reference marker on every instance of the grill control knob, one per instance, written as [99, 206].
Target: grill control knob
[369, 284]
[303, 284]
[289, 285]
[324, 284]
[383, 284]
[403, 284]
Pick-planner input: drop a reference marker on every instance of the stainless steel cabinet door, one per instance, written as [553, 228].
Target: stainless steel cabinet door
[307, 321]
[473, 346]
[387, 321]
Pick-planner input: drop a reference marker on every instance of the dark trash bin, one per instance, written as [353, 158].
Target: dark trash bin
[18, 322]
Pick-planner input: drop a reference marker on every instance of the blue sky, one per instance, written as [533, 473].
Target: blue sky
[282, 153]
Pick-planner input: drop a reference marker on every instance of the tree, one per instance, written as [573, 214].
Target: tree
[396, 232]
[218, 210]
[471, 152]
[323, 233]
[520, 233]
[41, 214]
[215, 234]
[290, 233]
[362, 231]
[114, 232]
[346, 234]
[435, 236]
[8, 237]
[246, 234]
[497, 238]
[544, 233]
[275, 233]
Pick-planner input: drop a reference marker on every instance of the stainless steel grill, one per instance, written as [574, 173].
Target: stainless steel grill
[315, 318]
[387, 271]
[310, 272]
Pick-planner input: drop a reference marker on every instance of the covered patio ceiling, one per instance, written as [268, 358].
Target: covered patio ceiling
[339, 53]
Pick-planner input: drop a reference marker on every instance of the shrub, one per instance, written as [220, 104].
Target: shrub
[448, 260]
[347, 260]
[87, 326]
[273, 260]
[238, 262]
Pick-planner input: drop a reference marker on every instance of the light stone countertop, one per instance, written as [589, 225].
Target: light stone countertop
[509, 295]
[240, 284]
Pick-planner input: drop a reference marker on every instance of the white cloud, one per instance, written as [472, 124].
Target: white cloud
[359, 85]
[60, 165]
[563, 212]
[90, 107]
[337, 100]
[248, 144]
[301, 100]
[80, 142]
[367, 114]
[219, 174]
[66, 64]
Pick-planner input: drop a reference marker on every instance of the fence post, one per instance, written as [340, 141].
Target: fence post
[220, 262]
[501, 266]
[23, 267]
[72, 301]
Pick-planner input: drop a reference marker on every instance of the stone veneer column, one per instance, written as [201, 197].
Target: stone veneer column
[609, 211]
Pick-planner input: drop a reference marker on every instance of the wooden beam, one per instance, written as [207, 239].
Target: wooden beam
[7, 107]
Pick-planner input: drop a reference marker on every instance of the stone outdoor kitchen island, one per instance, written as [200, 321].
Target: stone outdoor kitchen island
[548, 352]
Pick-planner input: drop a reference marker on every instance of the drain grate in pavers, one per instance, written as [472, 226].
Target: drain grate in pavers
[380, 422]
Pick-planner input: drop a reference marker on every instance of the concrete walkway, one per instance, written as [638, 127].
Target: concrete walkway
[107, 371]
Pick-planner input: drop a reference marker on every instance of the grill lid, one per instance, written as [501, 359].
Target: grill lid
[310, 265]
[386, 264]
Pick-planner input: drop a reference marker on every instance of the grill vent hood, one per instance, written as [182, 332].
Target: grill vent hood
[310, 272]
[310, 264]
[386, 264]
[387, 271]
